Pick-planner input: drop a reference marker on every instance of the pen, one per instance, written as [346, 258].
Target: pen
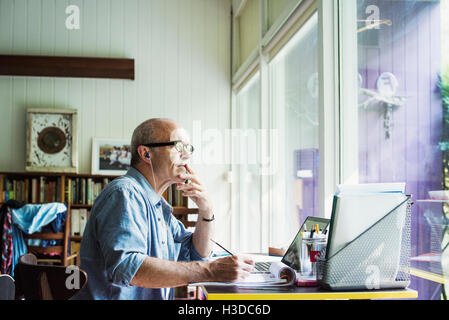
[222, 247]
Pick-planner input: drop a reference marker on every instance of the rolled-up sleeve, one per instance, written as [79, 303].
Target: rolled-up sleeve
[181, 235]
[122, 234]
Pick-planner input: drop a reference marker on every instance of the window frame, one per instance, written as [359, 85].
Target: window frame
[332, 96]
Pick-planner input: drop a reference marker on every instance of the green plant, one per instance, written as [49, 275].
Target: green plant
[443, 84]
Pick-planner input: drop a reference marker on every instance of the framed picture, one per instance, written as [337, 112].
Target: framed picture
[111, 156]
[51, 140]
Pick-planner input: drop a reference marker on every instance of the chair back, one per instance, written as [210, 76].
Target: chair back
[7, 287]
[61, 251]
[47, 282]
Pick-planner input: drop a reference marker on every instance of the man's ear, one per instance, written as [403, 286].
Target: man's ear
[144, 153]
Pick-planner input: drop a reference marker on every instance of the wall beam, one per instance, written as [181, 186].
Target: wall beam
[71, 67]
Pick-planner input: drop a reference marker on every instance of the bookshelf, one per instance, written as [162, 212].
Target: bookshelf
[80, 190]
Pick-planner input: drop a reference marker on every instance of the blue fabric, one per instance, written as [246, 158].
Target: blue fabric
[55, 226]
[129, 222]
[31, 218]
[19, 246]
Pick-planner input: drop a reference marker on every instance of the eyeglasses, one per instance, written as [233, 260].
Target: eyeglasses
[179, 145]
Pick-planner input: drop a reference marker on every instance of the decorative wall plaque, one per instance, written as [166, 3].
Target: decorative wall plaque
[52, 140]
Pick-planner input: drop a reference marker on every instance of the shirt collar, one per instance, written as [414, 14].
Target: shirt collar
[143, 182]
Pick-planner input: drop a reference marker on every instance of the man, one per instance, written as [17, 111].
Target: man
[133, 247]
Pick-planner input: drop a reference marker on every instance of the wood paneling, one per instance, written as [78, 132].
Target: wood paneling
[411, 50]
[181, 50]
[72, 67]
[182, 67]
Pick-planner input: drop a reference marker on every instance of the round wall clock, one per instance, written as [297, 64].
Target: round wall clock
[51, 140]
[51, 143]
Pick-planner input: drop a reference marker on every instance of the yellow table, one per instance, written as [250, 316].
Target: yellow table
[301, 293]
[297, 293]
[424, 274]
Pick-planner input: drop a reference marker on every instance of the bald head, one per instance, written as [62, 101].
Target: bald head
[150, 131]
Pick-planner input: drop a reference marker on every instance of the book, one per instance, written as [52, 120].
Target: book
[89, 191]
[27, 191]
[82, 220]
[14, 189]
[191, 204]
[83, 191]
[57, 190]
[41, 189]
[34, 190]
[78, 192]
[68, 191]
[170, 195]
[75, 222]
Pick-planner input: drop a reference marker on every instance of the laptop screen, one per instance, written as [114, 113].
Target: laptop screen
[291, 257]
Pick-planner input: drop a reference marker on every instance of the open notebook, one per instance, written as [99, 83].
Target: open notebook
[279, 275]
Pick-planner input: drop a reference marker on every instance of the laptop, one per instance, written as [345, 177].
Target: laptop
[291, 256]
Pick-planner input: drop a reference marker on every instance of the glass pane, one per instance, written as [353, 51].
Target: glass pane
[248, 123]
[275, 9]
[248, 33]
[402, 135]
[294, 88]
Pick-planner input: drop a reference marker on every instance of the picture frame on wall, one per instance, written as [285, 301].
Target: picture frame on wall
[51, 140]
[111, 156]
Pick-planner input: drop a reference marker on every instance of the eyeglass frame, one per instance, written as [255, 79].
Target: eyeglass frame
[167, 144]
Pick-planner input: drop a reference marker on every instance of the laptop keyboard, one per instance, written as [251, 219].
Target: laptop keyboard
[262, 266]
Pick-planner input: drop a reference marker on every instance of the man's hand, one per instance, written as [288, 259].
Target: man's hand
[231, 268]
[195, 191]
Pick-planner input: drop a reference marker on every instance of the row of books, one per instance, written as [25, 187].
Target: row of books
[78, 220]
[174, 197]
[49, 189]
[84, 190]
[34, 190]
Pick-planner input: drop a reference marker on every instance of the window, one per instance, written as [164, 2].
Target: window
[274, 10]
[247, 158]
[246, 32]
[275, 103]
[400, 133]
[294, 103]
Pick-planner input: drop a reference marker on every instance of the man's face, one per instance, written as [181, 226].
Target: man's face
[170, 162]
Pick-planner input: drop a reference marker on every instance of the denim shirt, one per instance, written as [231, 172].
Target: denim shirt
[129, 222]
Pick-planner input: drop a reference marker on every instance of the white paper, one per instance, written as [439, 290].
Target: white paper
[261, 279]
[355, 213]
[371, 188]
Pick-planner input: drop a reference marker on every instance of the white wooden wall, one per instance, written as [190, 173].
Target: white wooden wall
[182, 59]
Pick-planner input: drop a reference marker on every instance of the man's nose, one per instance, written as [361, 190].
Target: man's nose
[185, 155]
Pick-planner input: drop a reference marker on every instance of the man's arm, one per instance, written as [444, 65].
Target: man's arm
[158, 273]
[204, 230]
